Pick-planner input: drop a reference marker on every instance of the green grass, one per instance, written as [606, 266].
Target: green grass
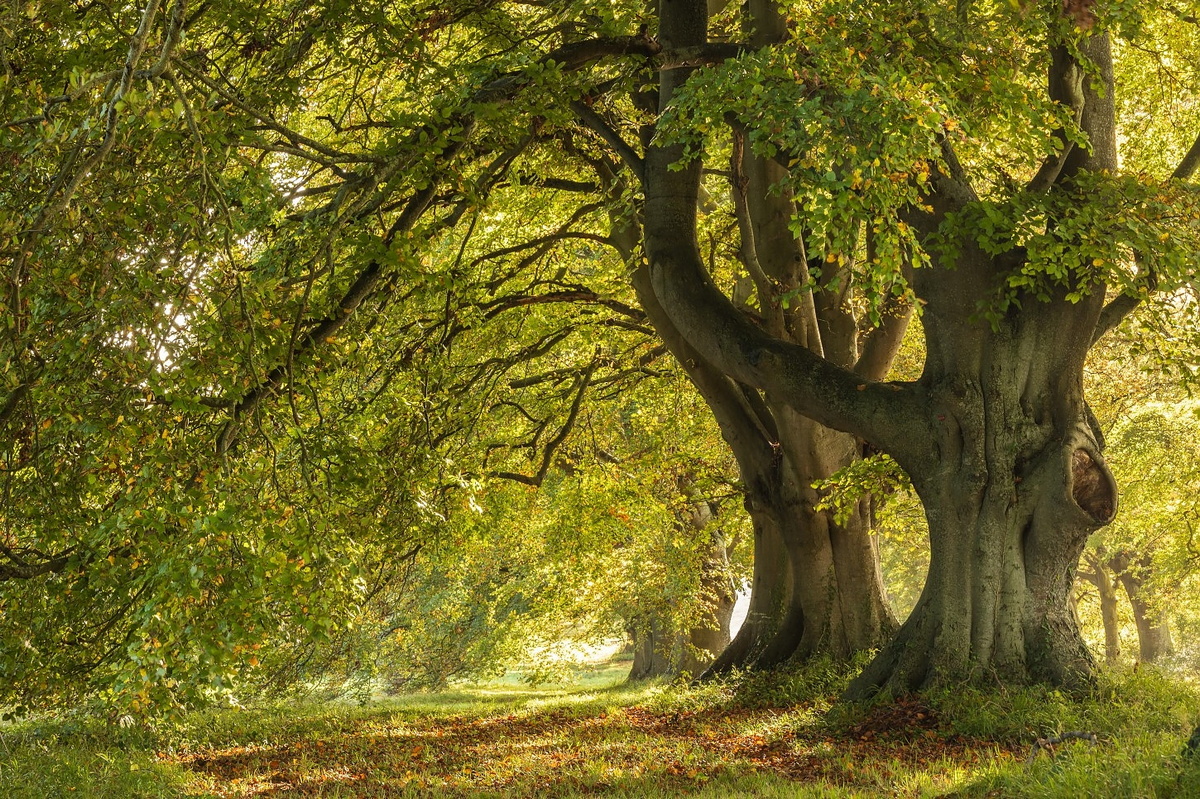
[764, 735]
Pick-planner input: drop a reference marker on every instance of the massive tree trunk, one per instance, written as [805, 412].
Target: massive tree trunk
[1012, 490]
[1015, 482]
[995, 435]
[817, 586]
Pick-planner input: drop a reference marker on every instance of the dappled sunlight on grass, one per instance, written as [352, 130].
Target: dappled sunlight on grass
[647, 740]
[562, 744]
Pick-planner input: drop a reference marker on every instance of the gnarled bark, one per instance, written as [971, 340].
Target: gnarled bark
[1015, 486]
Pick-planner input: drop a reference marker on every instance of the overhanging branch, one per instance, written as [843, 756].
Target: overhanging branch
[1121, 306]
[1187, 167]
[553, 445]
[597, 123]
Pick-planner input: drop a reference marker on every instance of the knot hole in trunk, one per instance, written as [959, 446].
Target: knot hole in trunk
[1092, 487]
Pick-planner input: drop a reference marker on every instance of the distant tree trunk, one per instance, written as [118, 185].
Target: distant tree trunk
[1154, 631]
[1107, 589]
[660, 649]
[653, 645]
[705, 641]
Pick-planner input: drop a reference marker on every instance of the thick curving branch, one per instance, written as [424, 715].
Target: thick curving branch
[1187, 167]
[816, 388]
[613, 139]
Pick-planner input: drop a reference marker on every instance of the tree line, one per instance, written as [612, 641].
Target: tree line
[325, 322]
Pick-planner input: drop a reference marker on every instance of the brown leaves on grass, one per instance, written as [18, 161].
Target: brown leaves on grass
[557, 751]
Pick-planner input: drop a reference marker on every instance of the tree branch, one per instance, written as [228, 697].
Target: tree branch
[816, 388]
[552, 445]
[1187, 167]
[597, 123]
[707, 54]
[882, 344]
[1121, 306]
[1066, 87]
[320, 332]
[19, 569]
[498, 306]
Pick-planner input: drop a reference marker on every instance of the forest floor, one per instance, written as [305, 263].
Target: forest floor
[765, 736]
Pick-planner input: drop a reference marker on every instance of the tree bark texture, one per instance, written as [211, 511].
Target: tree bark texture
[1013, 487]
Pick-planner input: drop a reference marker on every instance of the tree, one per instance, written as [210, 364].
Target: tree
[1149, 550]
[996, 435]
[297, 174]
[290, 216]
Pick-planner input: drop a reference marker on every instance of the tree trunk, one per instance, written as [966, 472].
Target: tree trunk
[817, 586]
[654, 645]
[1153, 627]
[706, 640]
[1013, 488]
[1107, 589]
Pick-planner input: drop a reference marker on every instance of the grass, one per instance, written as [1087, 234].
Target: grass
[767, 736]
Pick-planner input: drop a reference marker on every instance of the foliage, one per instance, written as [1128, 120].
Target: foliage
[244, 485]
[301, 299]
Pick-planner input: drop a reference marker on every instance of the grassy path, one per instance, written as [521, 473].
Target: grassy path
[598, 747]
[757, 739]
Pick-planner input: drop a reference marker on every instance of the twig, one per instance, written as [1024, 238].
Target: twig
[1049, 743]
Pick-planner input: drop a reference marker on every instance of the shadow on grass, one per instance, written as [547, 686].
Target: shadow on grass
[598, 744]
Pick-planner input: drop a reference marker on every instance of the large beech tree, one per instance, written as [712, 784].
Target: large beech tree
[996, 435]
